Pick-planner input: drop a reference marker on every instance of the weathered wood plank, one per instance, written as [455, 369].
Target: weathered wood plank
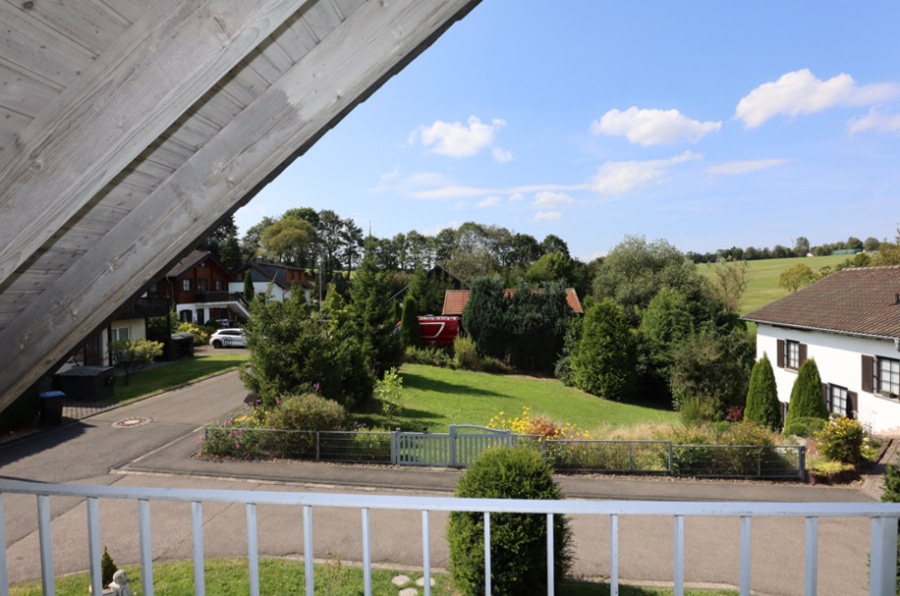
[91, 26]
[34, 47]
[119, 106]
[349, 65]
[22, 93]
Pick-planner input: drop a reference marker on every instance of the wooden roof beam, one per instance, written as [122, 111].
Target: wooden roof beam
[333, 77]
[165, 62]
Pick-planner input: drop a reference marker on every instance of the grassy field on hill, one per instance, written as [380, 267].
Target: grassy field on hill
[763, 277]
[438, 397]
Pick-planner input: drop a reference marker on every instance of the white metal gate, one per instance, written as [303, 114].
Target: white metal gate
[454, 449]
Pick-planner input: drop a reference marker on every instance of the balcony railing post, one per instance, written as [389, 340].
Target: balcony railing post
[46, 542]
[199, 558]
[883, 558]
[93, 520]
[487, 553]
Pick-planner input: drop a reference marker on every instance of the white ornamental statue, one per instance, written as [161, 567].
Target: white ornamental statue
[120, 584]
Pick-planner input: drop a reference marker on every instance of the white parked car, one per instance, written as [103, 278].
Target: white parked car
[228, 338]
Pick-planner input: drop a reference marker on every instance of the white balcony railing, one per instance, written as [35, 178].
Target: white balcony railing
[883, 528]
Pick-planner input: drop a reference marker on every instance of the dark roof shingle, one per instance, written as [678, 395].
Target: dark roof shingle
[862, 301]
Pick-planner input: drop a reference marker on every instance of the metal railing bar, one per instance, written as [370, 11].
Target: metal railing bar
[253, 549]
[551, 588]
[679, 556]
[308, 550]
[487, 553]
[93, 521]
[614, 555]
[367, 553]
[426, 553]
[745, 544]
[146, 547]
[47, 579]
[197, 541]
[811, 576]
[401, 502]
[883, 563]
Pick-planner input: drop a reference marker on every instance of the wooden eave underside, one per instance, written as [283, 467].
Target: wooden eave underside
[117, 152]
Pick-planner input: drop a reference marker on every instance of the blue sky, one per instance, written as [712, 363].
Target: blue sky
[709, 124]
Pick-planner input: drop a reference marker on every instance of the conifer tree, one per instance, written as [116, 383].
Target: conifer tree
[410, 334]
[806, 395]
[763, 406]
[604, 363]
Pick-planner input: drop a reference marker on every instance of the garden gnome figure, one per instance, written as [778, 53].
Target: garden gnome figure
[120, 584]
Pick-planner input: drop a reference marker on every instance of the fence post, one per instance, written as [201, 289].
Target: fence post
[317, 445]
[394, 449]
[801, 457]
[671, 460]
[452, 439]
[759, 454]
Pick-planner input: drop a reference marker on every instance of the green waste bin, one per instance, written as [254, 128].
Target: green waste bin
[50, 407]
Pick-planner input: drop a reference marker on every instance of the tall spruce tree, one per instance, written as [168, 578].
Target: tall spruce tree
[763, 406]
[604, 362]
[410, 334]
[370, 317]
[249, 293]
[806, 395]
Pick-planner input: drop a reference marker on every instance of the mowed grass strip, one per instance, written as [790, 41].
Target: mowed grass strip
[230, 577]
[438, 397]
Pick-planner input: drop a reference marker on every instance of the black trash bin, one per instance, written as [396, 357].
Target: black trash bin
[86, 383]
[50, 407]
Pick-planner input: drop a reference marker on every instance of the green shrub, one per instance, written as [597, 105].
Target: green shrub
[806, 395]
[389, 391]
[841, 440]
[804, 427]
[465, 354]
[201, 335]
[518, 541]
[429, 355]
[232, 440]
[108, 568]
[307, 412]
[695, 410]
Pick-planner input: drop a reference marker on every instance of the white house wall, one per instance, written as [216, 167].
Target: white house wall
[839, 360]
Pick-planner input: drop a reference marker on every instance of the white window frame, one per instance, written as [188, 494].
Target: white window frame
[839, 399]
[121, 333]
[791, 354]
[888, 376]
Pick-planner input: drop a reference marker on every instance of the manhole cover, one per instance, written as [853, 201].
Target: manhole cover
[130, 422]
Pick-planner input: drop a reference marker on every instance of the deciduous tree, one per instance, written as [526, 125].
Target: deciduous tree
[604, 361]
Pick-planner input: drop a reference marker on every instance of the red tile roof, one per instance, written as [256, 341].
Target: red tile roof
[863, 301]
[455, 301]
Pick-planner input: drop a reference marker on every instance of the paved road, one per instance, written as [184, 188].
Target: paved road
[157, 452]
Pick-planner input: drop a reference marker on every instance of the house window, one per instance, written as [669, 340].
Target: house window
[888, 376]
[218, 285]
[120, 333]
[792, 354]
[838, 400]
[186, 285]
[201, 285]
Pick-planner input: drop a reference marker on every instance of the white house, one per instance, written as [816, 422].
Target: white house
[849, 322]
[272, 279]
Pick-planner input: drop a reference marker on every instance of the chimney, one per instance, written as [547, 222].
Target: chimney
[896, 299]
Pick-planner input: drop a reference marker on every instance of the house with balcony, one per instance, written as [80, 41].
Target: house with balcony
[849, 322]
[272, 279]
[197, 287]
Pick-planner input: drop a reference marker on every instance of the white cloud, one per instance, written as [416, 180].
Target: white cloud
[551, 199]
[733, 168]
[450, 192]
[392, 175]
[800, 92]
[547, 215]
[489, 201]
[652, 127]
[516, 197]
[502, 155]
[618, 177]
[455, 139]
[876, 121]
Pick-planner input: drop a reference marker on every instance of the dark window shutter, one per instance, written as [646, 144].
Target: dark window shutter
[802, 355]
[868, 378]
[825, 397]
[780, 354]
[851, 404]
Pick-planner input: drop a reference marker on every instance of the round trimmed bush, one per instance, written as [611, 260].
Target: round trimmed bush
[518, 541]
[308, 411]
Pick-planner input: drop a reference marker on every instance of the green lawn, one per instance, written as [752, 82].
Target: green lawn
[174, 374]
[764, 274]
[225, 577]
[437, 397]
